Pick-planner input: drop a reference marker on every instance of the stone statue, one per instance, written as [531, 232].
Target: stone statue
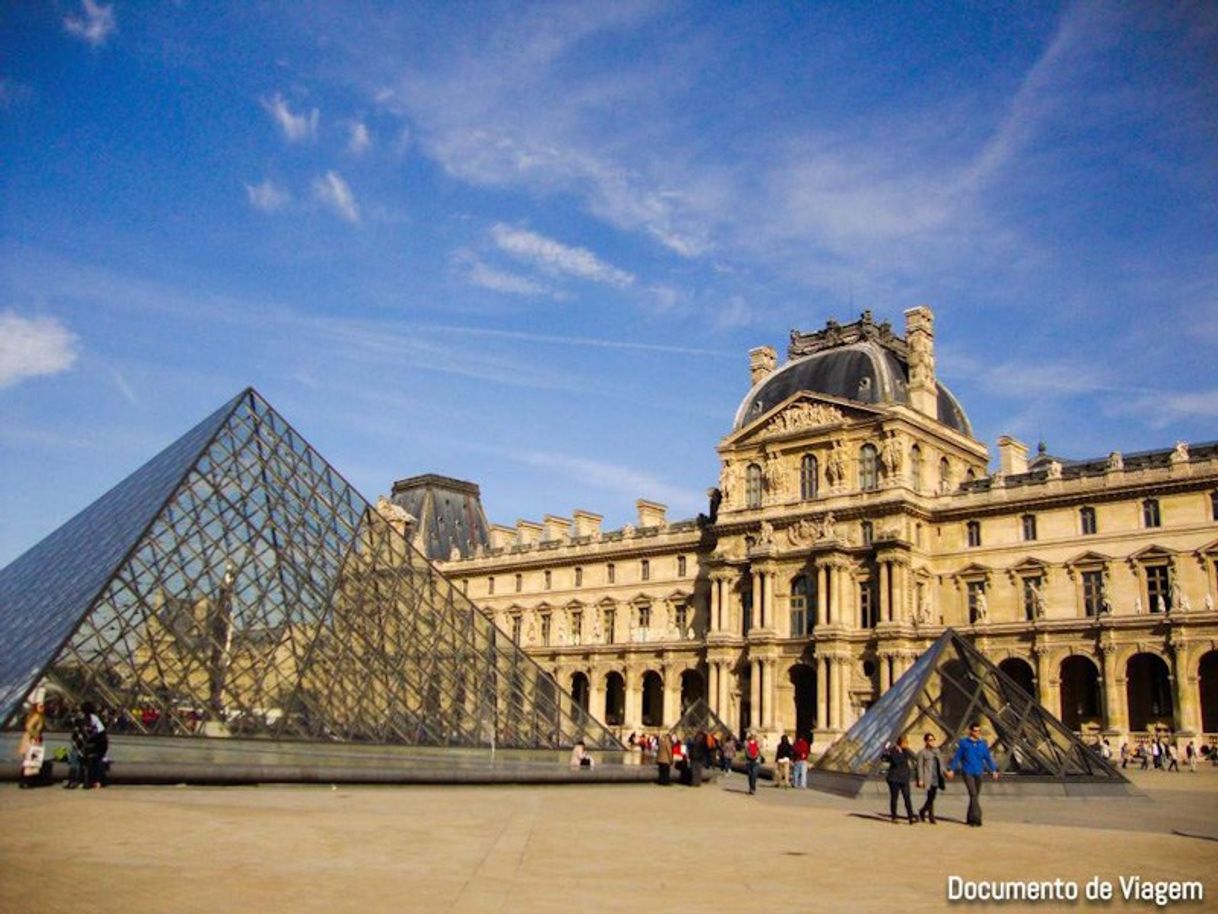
[394, 513]
[531, 631]
[802, 532]
[775, 473]
[1179, 453]
[765, 537]
[1038, 602]
[1137, 606]
[1055, 470]
[1182, 603]
[1161, 604]
[835, 467]
[890, 456]
[597, 631]
[828, 529]
[981, 607]
[1116, 461]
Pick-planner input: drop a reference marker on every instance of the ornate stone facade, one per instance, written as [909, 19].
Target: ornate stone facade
[846, 532]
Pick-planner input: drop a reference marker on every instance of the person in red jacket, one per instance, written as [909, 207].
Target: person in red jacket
[800, 767]
[752, 760]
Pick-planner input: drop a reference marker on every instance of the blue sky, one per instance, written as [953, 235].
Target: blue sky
[530, 246]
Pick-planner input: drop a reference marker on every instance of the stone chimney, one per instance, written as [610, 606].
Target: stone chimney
[529, 532]
[556, 528]
[920, 338]
[651, 513]
[502, 536]
[761, 362]
[587, 523]
[1012, 456]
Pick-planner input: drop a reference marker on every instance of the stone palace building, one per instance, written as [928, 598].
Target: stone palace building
[855, 517]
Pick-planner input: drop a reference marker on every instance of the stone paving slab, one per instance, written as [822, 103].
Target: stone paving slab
[537, 849]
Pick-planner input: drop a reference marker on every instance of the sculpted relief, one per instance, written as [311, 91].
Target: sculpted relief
[804, 415]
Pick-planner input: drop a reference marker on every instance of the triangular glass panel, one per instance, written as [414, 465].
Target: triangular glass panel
[238, 586]
[950, 686]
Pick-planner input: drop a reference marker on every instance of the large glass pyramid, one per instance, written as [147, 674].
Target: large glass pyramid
[236, 585]
[950, 686]
[699, 718]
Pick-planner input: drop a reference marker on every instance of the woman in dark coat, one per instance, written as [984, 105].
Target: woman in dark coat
[930, 776]
[901, 764]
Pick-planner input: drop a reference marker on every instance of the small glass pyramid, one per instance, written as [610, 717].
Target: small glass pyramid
[950, 686]
[237, 585]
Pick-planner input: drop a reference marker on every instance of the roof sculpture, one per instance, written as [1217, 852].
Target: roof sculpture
[950, 686]
[237, 585]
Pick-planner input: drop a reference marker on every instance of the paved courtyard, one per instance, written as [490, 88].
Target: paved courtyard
[583, 848]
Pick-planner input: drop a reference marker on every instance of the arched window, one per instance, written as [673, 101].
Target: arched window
[945, 475]
[915, 468]
[868, 473]
[807, 477]
[752, 486]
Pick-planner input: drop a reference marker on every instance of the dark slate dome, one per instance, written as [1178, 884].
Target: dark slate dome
[863, 371]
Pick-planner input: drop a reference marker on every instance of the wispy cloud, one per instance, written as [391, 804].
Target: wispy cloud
[556, 258]
[35, 346]
[94, 27]
[617, 478]
[360, 140]
[479, 274]
[335, 193]
[1164, 408]
[558, 340]
[267, 196]
[296, 127]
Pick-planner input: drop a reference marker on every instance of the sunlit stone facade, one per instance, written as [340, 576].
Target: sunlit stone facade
[856, 516]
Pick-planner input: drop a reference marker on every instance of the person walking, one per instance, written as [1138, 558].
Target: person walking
[901, 762]
[799, 765]
[664, 759]
[1190, 755]
[1173, 757]
[782, 762]
[752, 761]
[727, 754]
[973, 760]
[97, 745]
[930, 776]
[1125, 754]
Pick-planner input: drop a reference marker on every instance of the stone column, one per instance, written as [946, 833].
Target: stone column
[632, 680]
[822, 693]
[835, 699]
[755, 695]
[716, 603]
[1042, 680]
[885, 598]
[596, 694]
[1116, 716]
[1184, 692]
[672, 695]
[712, 685]
[900, 591]
[885, 672]
[822, 595]
[725, 693]
[769, 694]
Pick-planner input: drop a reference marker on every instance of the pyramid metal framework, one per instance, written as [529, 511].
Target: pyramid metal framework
[237, 585]
[950, 686]
[699, 717]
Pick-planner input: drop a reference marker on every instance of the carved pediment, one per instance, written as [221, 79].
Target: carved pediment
[801, 412]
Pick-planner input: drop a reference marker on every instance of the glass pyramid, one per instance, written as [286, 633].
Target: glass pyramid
[698, 717]
[950, 686]
[237, 585]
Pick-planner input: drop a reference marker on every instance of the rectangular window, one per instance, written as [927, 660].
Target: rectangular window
[645, 570]
[682, 618]
[1150, 513]
[465, 585]
[977, 606]
[515, 629]
[577, 626]
[579, 576]
[869, 610]
[1158, 588]
[1086, 521]
[1033, 597]
[867, 532]
[610, 618]
[1093, 592]
[490, 586]
[519, 583]
[610, 572]
[799, 615]
[680, 566]
[644, 615]
[549, 579]
[973, 531]
[1029, 527]
[545, 629]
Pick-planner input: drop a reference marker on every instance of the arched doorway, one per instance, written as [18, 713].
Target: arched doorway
[1021, 671]
[691, 689]
[1080, 688]
[580, 690]
[803, 684]
[1148, 685]
[615, 699]
[653, 699]
[1207, 680]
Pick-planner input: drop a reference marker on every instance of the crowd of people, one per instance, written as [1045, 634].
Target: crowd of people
[1161, 753]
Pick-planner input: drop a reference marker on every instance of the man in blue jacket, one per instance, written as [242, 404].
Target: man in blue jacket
[973, 759]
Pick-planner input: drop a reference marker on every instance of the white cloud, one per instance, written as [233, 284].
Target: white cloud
[267, 196]
[361, 138]
[296, 127]
[95, 26]
[554, 257]
[617, 478]
[34, 346]
[1161, 409]
[479, 274]
[334, 192]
